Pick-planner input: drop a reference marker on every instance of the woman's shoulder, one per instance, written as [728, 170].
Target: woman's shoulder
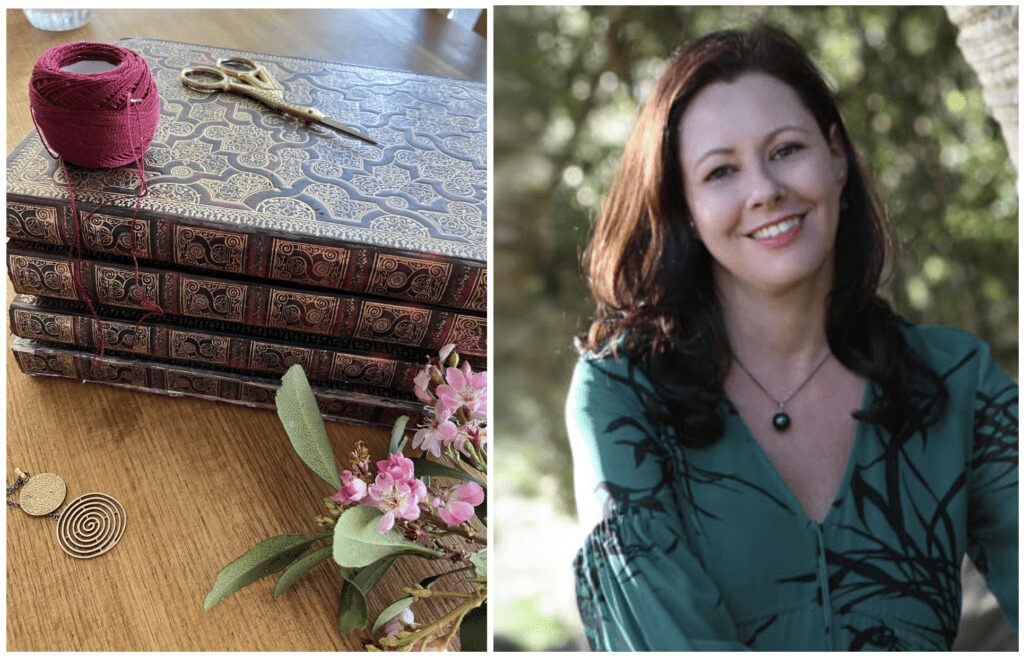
[960, 358]
[614, 437]
[609, 375]
[944, 346]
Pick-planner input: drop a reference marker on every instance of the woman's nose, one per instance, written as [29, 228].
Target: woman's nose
[765, 190]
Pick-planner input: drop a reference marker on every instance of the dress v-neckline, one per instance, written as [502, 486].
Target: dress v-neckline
[773, 471]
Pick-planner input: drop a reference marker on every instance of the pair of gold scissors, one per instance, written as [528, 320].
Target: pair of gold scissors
[256, 82]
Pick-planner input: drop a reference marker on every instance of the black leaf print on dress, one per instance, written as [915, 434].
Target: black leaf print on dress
[907, 562]
[678, 474]
[995, 438]
[759, 630]
[994, 459]
[879, 637]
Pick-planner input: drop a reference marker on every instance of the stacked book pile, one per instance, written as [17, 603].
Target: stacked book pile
[264, 241]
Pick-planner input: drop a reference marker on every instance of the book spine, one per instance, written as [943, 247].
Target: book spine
[31, 319]
[238, 302]
[129, 315]
[43, 360]
[261, 255]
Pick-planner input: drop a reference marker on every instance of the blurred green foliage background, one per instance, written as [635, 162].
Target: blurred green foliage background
[567, 83]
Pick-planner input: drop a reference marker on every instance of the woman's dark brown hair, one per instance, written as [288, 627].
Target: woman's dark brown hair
[651, 277]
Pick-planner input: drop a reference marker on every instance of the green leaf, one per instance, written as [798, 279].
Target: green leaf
[369, 576]
[391, 611]
[300, 568]
[297, 408]
[265, 558]
[473, 632]
[425, 467]
[479, 560]
[354, 612]
[358, 543]
[396, 445]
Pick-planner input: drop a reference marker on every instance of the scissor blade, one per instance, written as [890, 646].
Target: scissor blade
[346, 130]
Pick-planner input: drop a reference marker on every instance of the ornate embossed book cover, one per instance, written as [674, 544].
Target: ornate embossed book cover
[236, 188]
[45, 320]
[38, 359]
[234, 301]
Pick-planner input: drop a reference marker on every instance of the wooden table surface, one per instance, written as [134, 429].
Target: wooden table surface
[201, 482]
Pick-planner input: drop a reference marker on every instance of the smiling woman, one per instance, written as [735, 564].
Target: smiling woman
[821, 494]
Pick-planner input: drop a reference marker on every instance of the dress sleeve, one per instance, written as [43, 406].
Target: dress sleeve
[992, 484]
[639, 586]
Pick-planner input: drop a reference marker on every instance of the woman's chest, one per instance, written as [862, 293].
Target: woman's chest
[811, 455]
[895, 520]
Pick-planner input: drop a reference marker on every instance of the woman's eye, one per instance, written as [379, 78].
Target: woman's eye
[785, 150]
[718, 173]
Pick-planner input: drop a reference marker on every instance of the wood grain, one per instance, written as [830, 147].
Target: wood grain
[201, 482]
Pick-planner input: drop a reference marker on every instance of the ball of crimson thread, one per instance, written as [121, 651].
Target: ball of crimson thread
[98, 120]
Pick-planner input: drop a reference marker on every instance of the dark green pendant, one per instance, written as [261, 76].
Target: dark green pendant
[781, 421]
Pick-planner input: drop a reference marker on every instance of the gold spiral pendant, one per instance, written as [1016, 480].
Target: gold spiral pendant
[91, 525]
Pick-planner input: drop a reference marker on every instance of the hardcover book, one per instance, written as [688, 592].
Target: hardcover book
[43, 320]
[234, 301]
[132, 316]
[236, 188]
[38, 359]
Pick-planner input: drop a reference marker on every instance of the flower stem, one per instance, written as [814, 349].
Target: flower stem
[436, 521]
[455, 615]
[455, 629]
[423, 593]
[473, 471]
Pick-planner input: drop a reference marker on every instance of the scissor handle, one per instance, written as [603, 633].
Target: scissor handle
[249, 72]
[204, 78]
[238, 64]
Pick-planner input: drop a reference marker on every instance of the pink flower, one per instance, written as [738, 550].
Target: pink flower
[398, 622]
[460, 439]
[445, 351]
[438, 431]
[395, 499]
[352, 489]
[473, 432]
[458, 503]
[420, 384]
[398, 467]
[464, 388]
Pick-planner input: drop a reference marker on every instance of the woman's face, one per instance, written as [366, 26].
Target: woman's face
[763, 184]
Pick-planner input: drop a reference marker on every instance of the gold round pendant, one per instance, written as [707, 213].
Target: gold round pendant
[91, 525]
[42, 494]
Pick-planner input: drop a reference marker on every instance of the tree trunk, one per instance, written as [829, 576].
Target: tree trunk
[988, 39]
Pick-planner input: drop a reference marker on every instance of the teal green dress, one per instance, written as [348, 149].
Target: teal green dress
[707, 548]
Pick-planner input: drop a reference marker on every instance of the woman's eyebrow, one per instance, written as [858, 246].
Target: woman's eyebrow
[771, 135]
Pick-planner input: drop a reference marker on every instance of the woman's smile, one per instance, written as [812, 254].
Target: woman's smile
[780, 232]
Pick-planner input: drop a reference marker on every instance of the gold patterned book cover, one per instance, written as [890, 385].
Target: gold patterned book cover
[238, 188]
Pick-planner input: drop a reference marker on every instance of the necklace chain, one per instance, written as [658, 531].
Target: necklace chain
[782, 404]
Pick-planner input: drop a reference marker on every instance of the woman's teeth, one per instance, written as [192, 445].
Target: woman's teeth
[778, 228]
